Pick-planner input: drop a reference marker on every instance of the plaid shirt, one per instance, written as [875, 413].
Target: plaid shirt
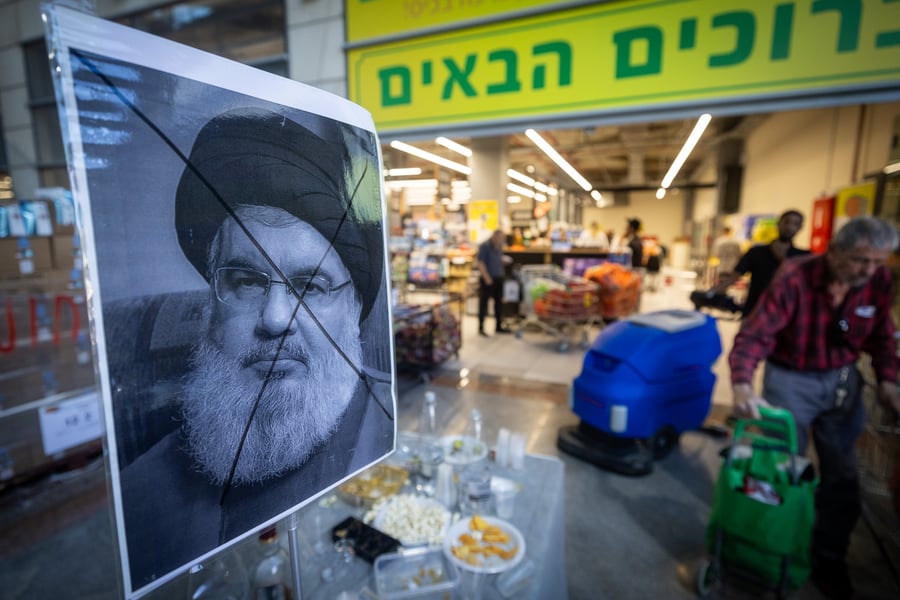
[795, 325]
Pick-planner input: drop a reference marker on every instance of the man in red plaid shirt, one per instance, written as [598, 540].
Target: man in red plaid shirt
[810, 326]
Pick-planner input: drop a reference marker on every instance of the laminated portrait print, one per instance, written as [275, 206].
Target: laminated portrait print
[234, 236]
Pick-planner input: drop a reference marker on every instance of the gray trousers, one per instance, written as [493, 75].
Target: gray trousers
[811, 398]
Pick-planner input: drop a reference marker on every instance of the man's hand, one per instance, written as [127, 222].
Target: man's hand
[888, 396]
[746, 403]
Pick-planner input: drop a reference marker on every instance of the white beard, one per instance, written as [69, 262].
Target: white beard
[291, 421]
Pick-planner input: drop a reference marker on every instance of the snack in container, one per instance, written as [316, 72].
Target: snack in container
[414, 520]
[463, 449]
[484, 544]
[372, 485]
[418, 573]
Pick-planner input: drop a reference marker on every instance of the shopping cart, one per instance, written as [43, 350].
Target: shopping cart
[763, 508]
[559, 304]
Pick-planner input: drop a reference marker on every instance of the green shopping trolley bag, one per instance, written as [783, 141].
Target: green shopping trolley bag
[763, 506]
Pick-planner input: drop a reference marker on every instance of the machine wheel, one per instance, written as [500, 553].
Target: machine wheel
[706, 578]
[663, 442]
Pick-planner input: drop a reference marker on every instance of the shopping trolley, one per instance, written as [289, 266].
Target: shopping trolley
[559, 304]
[763, 508]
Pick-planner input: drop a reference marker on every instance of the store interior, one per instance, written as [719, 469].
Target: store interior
[56, 509]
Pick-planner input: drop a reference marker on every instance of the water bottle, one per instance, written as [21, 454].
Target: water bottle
[429, 452]
[473, 429]
[270, 578]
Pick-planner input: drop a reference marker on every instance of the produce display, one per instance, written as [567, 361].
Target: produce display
[620, 289]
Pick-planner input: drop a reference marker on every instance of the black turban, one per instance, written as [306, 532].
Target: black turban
[259, 158]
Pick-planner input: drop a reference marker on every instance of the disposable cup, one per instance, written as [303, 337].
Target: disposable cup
[505, 502]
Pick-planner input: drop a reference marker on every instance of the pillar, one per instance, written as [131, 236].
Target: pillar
[489, 162]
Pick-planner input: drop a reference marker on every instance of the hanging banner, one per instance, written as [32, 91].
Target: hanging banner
[234, 233]
[626, 56]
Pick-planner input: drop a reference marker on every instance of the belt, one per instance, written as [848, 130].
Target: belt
[783, 365]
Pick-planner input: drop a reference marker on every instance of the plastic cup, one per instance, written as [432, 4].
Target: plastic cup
[501, 454]
[505, 501]
[517, 451]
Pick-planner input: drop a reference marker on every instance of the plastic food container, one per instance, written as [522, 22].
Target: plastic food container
[421, 573]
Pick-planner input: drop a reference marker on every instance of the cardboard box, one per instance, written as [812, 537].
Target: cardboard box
[63, 251]
[42, 259]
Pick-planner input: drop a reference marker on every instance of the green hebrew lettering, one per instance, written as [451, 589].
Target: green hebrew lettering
[426, 72]
[781, 32]
[511, 82]
[688, 37]
[624, 40]
[745, 24]
[850, 14]
[461, 78]
[564, 53]
[395, 74]
[885, 39]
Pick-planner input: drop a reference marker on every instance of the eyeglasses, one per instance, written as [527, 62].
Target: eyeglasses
[246, 288]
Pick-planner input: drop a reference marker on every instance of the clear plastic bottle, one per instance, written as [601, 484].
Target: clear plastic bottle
[221, 578]
[271, 573]
[428, 417]
[430, 454]
[473, 428]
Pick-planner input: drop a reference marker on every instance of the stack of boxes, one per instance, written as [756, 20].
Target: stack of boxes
[45, 354]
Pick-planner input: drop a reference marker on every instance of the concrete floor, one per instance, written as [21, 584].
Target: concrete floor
[626, 537]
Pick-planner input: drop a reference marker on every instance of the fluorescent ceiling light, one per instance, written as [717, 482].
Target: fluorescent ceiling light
[403, 147]
[540, 197]
[597, 196]
[685, 151]
[513, 174]
[541, 143]
[523, 191]
[451, 145]
[891, 168]
[412, 183]
[661, 193]
[513, 199]
[403, 172]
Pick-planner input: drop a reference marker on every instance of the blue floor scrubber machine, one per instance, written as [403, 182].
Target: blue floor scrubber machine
[645, 380]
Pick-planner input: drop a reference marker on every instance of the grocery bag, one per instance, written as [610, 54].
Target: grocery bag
[764, 501]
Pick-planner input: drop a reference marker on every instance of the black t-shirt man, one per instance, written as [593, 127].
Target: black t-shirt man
[762, 262]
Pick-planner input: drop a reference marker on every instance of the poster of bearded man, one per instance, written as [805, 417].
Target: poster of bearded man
[234, 238]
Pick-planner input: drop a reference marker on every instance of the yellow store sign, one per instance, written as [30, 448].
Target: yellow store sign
[372, 19]
[644, 53]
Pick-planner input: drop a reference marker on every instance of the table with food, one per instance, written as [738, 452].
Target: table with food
[461, 526]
